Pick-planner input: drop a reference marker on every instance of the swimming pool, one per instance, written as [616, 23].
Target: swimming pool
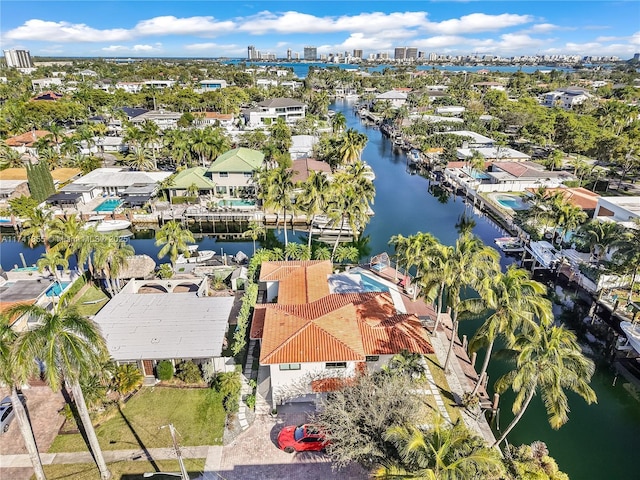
[108, 206]
[370, 284]
[512, 202]
[479, 175]
[25, 269]
[236, 202]
[57, 288]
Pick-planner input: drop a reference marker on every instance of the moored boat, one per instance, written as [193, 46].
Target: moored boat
[103, 225]
[195, 255]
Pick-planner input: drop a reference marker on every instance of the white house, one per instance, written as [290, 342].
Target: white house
[212, 85]
[40, 84]
[113, 181]
[153, 320]
[130, 87]
[493, 154]
[324, 328]
[565, 98]
[204, 119]
[394, 97]
[165, 119]
[302, 146]
[618, 209]
[268, 111]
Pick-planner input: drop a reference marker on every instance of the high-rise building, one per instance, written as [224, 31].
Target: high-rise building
[18, 58]
[411, 53]
[289, 54]
[357, 53]
[252, 53]
[310, 54]
[400, 53]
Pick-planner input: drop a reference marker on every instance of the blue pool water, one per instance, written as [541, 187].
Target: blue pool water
[57, 288]
[512, 202]
[372, 285]
[108, 206]
[479, 175]
[25, 269]
[234, 202]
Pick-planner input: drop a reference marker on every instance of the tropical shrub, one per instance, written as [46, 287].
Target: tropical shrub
[189, 372]
[228, 385]
[165, 370]
[127, 378]
[250, 401]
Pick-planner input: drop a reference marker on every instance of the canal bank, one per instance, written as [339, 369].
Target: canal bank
[600, 440]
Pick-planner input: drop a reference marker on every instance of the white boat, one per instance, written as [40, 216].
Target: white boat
[103, 225]
[509, 244]
[632, 331]
[195, 255]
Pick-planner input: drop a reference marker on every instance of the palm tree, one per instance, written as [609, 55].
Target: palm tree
[201, 145]
[413, 251]
[150, 135]
[67, 234]
[14, 372]
[316, 195]
[10, 158]
[141, 160]
[455, 269]
[276, 191]
[111, 255]
[628, 253]
[71, 348]
[600, 235]
[254, 231]
[297, 251]
[444, 452]
[56, 134]
[173, 237]
[550, 359]
[50, 261]
[338, 123]
[352, 144]
[408, 363]
[517, 303]
[37, 226]
[569, 218]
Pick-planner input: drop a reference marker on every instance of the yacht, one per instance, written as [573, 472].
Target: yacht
[195, 255]
[103, 225]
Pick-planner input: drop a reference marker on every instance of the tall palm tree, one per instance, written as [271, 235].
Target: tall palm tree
[111, 255]
[413, 251]
[628, 253]
[201, 145]
[15, 372]
[71, 348]
[569, 218]
[517, 303]
[549, 359]
[66, 235]
[36, 227]
[50, 261]
[276, 190]
[338, 122]
[352, 145]
[316, 195]
[458, 268]
[10, 158]
[600, 235]
[173, 237]
[254, 232]
[150, 136]
[444, 452]
[141, 160]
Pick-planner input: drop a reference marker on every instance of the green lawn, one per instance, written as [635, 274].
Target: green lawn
[445, 392]
[197, 415]
[92, 294]
[123, 470]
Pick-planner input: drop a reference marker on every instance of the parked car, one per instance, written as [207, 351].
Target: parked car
[7, 413]
[301, 438]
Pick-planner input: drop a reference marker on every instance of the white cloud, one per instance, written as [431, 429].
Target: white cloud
[170, 25]
[65, 32]
[546, 28]
[478, 22]
[134, 48]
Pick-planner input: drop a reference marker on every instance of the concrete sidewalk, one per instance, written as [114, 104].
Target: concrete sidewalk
[22, 460]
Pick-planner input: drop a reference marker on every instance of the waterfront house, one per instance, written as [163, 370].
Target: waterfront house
[395, 98]
[268, 111]
[491, 153]
[303, 167]
[233, 172]
[153, 320]
[114, 181]
[519, 176]
[190, 178]
[623, 210]
[471, 139]
[317, 328]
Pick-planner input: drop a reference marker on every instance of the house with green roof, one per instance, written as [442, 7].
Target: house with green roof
[184, 181]
[229, 176]
[233, 172]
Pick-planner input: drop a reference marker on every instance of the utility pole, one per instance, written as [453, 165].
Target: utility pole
[183, 470]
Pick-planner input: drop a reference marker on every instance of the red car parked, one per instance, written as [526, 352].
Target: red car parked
[301, 438]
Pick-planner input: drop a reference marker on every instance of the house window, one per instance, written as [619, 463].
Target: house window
[248, 174]
[289, 366]
[224, 174]
[372, 358]
[330, 365]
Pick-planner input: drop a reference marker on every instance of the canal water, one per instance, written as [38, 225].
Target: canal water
[599, 441]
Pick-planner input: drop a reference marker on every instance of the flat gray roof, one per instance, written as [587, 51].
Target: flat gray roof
[23, 290]
[159, 326]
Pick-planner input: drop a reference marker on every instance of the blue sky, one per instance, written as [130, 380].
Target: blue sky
[213, 28]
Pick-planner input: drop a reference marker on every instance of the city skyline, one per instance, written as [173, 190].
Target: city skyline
[205, 29]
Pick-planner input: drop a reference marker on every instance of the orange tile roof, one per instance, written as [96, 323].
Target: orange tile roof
[26, 139]
[214, 115]
[299, 281]
[578, 196]
[303, 167]
[339, 328]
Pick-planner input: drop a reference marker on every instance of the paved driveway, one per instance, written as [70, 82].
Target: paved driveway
[42, 407]
[254, 455]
